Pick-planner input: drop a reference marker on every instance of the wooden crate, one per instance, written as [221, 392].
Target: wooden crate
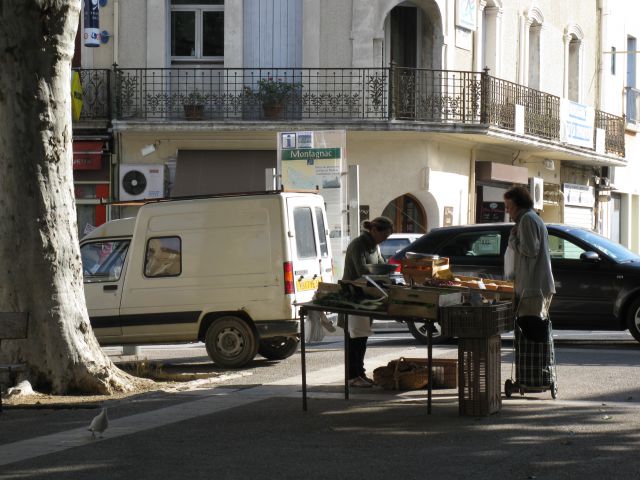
[421, 302]
[417, 270]
[479, 384]
[325, 289]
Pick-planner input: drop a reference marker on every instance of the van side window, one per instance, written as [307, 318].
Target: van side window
[103, 261]
[322, 233]
[305, 239]
[163, 257]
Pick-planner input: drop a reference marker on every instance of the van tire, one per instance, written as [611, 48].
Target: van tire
[230, 342]
[278, 348]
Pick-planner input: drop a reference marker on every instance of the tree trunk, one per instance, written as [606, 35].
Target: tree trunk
[40, 265]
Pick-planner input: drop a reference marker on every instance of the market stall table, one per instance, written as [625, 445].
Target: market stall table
[307, 307]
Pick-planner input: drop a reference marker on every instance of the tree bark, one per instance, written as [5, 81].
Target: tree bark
[40, 264]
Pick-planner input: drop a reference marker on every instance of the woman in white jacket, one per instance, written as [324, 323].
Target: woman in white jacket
[529, 240]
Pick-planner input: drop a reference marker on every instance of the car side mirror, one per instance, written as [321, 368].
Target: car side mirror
[592, 257]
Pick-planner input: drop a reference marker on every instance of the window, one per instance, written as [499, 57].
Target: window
[479, 244]
[103, 261]
[562, 249]
[305, 239]
[197, 30]
[322, 233]
[163, 257]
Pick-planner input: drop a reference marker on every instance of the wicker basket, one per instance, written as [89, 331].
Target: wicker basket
[444, 371]
[401, 374]
[466, 321]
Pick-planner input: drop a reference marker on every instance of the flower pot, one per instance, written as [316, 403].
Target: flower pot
[273, 112]
[193, 112]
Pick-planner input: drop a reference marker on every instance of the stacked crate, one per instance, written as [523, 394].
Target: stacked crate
[478, 328]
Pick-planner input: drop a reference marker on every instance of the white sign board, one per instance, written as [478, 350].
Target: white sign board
[578, 195]
[466, 14]
[316, 161]
[576, 123]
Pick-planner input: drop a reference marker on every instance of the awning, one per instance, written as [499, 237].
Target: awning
[87, 155]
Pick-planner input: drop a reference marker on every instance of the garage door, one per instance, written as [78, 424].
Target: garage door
[578, 216]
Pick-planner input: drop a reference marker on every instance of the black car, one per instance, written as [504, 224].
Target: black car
[597, 280]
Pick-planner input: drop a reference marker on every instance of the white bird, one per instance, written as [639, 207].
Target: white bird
[99, 423]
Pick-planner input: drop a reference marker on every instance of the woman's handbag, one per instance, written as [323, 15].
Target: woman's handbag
[401, 374]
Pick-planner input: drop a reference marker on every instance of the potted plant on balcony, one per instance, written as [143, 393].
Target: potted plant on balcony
[275, 93]
[193, 104]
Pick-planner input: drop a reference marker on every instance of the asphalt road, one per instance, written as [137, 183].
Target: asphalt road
[250, 424]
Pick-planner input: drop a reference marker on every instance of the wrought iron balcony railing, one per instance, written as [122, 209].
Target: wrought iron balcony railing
[335, 94]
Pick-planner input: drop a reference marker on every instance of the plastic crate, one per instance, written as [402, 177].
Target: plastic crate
[467, 321]
[479, 390]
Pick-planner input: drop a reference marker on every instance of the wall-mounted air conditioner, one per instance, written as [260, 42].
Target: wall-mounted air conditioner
[141, 182]
[536, 188]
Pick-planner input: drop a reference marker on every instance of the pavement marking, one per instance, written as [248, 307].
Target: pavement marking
[79, 437]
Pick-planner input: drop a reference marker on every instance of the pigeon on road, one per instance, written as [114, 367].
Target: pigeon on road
[99, 423]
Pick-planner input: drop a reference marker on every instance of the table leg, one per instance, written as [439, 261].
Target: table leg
[346, 356]
[429, 324]
[303, 361]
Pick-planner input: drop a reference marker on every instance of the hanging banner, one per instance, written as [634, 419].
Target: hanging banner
[91, 23]
[76, 96]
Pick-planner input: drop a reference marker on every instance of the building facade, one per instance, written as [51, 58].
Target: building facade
[445, 103]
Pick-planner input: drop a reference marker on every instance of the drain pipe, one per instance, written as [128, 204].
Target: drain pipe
[471, 217]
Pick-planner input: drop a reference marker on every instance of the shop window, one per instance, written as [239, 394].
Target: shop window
[163, 257]
[197, 30]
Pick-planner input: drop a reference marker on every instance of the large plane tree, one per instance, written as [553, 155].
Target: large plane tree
[40, 265]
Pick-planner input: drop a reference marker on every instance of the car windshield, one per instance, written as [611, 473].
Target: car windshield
[610, 248]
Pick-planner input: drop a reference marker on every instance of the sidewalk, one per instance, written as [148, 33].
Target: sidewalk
[248, 431]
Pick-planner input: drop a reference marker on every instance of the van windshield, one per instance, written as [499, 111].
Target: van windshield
[103, 261]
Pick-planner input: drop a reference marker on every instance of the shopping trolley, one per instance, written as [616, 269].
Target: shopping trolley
[534, 359]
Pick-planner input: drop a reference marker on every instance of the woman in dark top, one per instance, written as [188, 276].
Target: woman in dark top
[361, 251]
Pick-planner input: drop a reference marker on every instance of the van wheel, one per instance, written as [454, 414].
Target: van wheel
[230, 342]
[419, 332]
[278, 348]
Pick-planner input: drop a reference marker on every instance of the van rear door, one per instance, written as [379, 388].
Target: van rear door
[308, 244]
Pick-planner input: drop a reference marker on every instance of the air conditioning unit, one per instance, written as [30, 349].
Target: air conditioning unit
[141, 182]
[536, 188]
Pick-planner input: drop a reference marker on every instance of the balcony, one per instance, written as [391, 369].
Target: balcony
[429, 99]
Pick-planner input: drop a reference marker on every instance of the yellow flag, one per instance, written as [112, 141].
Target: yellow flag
[76, 96]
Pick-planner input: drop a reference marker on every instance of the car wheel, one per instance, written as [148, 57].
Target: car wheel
[278, 348]
[419, 332]
[230, 342]
[633, 319]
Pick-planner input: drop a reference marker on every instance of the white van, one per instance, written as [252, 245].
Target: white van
[225, 270]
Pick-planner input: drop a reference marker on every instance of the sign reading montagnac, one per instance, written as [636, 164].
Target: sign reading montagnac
[311, 154]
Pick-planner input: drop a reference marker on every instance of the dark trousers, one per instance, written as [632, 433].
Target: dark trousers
[357, 349]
